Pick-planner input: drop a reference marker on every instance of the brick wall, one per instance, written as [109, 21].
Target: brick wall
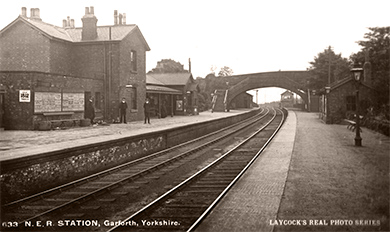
[137, 79]
[61, 57]
[338, 100]
[24, 49]
[20, 115]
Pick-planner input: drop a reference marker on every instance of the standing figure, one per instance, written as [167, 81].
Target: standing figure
[123, 108]
[147, 110]
[89, 110]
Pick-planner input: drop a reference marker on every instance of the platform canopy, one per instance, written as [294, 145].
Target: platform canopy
[161, 89]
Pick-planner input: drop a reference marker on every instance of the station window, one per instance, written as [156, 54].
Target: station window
[133, 60]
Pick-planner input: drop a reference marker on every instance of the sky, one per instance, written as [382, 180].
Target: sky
[249, 36]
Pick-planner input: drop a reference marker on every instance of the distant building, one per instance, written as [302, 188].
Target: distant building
[243, 100]
[287, 99]
[176, 93]
[62, 67]
[340, 100]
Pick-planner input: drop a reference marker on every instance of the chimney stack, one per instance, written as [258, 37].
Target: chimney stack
[89, 31]
[35, 14]
[189, 65]
[24, 12]
[120, 19]
[115, 17]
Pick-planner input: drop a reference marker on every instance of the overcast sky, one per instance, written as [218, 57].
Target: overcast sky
[248, 36]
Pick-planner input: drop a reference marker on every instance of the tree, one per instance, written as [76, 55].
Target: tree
[168, 66]
[225, 71]
[327, 68]
[376, 50]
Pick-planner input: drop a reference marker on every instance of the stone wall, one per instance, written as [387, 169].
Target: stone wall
[31, 174]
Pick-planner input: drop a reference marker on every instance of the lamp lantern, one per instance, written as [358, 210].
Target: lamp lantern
[357, 73]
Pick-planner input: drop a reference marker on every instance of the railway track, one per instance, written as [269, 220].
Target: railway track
[184, 207]
[59, 199]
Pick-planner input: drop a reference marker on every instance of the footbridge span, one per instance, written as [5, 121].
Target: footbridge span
[294, 81]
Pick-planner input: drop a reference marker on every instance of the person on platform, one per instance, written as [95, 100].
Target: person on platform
[89, 110]
[123, 108]
[147, 110]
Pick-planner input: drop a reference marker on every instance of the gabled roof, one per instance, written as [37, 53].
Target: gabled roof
[170, 78]
[286, 92]
[48, 30]
[342, 82]
[118, 32]
[151, 80]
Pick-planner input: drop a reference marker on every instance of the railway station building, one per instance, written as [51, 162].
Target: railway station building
[338, 101]
[48, 72]
[172, 93]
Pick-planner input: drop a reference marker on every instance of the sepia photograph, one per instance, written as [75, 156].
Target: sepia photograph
[184, 115]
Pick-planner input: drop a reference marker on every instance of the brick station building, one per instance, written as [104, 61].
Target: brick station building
[47, 72]
[339, 100]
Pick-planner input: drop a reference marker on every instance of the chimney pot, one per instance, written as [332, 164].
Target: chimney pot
[37, 13]
[120, 19]
[24, 11]
[124, 19]
[115, 17]
[91, 11]
[86, 10]
[72, 23]
[32, 13]
[64, 23]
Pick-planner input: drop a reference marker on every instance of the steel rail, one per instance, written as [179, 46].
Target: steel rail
[119, 167]
[202, 171]
[85, 197]
[208, 210]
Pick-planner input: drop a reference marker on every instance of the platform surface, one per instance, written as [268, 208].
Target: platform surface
[17, 143]
[310, 178]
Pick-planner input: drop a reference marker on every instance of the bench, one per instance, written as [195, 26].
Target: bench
[64, 123]
[61, 123]
[352, 125]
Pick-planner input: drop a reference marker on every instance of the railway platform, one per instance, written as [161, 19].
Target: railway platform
[16, 144]
[310, 178]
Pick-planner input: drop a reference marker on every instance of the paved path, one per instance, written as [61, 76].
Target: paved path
[21, 143]
[309, 184]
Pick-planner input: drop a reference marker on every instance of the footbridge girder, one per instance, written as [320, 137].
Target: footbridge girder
[291, 80]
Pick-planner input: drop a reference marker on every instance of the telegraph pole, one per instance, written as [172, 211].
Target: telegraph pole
[329, 65]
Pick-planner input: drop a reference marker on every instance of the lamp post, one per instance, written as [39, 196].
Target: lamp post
[327, 113]
[357, 72]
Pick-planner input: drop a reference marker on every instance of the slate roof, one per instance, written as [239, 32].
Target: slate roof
[118, 32]
[151, 80]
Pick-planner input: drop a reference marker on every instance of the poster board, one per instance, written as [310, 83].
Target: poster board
[47, 102]
[58, 102]
[72, 101]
